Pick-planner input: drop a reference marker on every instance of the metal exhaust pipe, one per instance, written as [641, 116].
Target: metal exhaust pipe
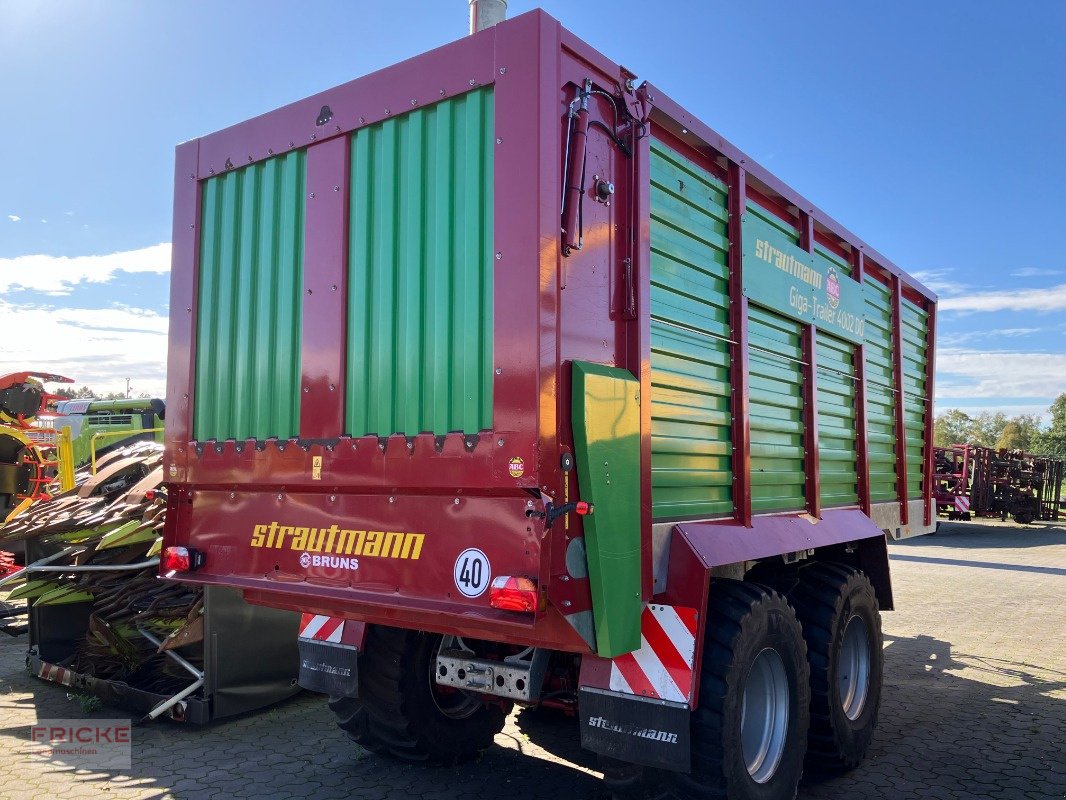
[486, 13]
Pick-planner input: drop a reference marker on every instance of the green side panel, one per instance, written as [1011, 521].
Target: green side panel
[826, 258]
[916, 394]
[880, 398]
[420, 271]
[248, 317]
[837, 452]
[775, 401]
[606, 419]
[762, 214]
[691, 460]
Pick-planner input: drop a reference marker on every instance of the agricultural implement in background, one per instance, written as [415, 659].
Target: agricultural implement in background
[100, 621]
[986, 482]
[31, 457]
[952, 488]
[99, 426]
[1015, 483]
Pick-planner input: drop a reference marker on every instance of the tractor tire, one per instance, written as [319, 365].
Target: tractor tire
[749, 731]
[624, 781]
[837, 607]
[401, 711]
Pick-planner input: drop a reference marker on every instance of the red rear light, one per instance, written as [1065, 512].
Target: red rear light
[513, 594]
[180, 559]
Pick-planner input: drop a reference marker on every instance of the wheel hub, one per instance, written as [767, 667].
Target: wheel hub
[764, 715]
[853, 671]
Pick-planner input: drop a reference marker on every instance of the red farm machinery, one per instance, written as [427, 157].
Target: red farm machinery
[524, 386]
[990, 482]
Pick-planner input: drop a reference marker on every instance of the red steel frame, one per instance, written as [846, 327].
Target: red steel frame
[529, 60]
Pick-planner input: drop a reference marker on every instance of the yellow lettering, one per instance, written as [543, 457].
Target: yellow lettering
[392, 546]
[384, 544]
[332, 530]
[283, 531]
[347, 541]
[373, 543]
[412, 545]
[314, 540]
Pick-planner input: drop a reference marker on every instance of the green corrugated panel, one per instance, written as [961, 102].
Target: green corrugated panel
[915, 358]
[777, 222]
[420, 271]
[829, 258]
[691, 421]
[775, 401]
[248, 317]
[880, 400]
[837, 455]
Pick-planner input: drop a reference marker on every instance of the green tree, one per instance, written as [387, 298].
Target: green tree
[987, 427]
[1052, 442]
[952, 427]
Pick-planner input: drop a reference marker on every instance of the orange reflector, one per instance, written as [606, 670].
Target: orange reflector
[513, 594]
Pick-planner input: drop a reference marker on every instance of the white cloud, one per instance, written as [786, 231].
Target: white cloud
[940, 281]
[60, 274]
[1035, 272]
[68, 213]
[954, 339]
[1051, 298]
[982, 374]
[97, 347]
[14, 217]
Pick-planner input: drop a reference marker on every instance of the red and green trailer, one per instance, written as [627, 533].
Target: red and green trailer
[524, 386]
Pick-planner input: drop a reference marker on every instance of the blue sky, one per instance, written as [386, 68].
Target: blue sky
[935, 131]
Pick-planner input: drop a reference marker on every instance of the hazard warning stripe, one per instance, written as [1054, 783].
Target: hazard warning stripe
[321, 628]
[662, 668]
[962, 503]
[55, 674]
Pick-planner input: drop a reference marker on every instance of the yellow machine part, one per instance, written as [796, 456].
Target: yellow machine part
[17, 448]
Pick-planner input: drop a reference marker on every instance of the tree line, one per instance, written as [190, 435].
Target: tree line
[85, 393]
[996, 429]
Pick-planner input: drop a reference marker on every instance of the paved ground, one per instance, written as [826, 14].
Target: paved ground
[975, 707]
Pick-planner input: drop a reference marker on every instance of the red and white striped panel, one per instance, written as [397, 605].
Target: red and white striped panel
[50, 672]
[321, 628]
[962, 503]
[663, 666]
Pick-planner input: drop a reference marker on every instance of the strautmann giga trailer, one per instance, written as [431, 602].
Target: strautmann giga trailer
[525, 386]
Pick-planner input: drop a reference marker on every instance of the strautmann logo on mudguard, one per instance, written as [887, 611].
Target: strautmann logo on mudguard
[339, 541]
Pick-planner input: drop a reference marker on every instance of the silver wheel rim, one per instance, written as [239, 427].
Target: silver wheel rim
[764, 715]
[853, 667]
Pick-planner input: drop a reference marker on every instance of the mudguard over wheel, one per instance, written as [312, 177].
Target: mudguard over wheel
[837, 607]
[749, 731]
[400, 709]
